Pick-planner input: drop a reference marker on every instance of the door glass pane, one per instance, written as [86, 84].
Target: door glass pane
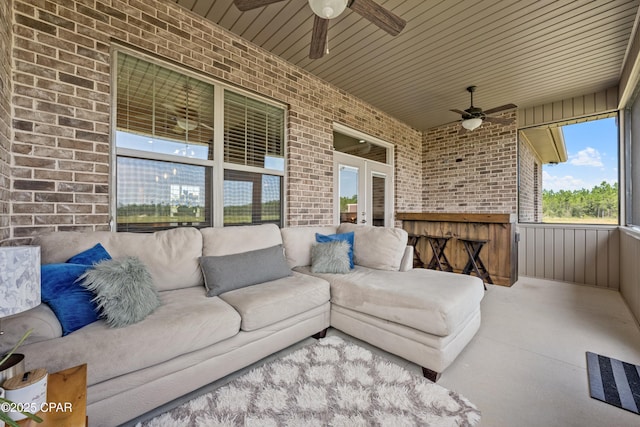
[348, 185]
[377, 200]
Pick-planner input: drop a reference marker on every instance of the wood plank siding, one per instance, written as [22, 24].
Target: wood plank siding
[630, 269]
[579, 254]
[570, 108]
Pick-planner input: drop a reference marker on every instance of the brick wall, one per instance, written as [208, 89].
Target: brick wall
[62, 101]
[5, 118]
[471, 173]
[530, 196]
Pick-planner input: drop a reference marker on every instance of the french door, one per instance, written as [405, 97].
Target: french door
[364, 191]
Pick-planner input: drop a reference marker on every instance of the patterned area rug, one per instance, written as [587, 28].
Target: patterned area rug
[331, 382]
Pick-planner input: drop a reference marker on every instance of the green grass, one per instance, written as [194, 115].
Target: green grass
[146, 219]
[581, 220]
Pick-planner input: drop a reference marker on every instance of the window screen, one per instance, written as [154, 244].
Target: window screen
[252, 198]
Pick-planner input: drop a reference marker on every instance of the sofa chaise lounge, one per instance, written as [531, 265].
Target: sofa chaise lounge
[191, 340]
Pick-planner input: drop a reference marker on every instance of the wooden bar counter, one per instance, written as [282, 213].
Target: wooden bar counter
[499, 254]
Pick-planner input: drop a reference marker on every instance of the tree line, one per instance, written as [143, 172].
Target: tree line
[599, 202]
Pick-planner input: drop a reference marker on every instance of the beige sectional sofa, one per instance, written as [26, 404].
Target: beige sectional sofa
[191, 339]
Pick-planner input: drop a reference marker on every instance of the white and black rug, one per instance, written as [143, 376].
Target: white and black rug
[329, 383]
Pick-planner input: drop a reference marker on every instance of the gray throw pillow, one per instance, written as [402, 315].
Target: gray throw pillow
[228, 272]
[123, 289]
[330, 257]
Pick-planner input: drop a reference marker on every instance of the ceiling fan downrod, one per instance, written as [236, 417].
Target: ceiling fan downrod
[471, 89]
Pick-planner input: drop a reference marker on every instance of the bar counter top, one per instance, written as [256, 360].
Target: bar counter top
[503, 218]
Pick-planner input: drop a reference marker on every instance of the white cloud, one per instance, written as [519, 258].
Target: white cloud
[587, 157]
[557, 183]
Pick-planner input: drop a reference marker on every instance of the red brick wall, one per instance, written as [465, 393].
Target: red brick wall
[530, 195]
[471, 173]
[5, 118]
[62, 101]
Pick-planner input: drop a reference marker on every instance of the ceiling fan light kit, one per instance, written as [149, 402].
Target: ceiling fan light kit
[471, 124]
[328, 9]
[186, 125]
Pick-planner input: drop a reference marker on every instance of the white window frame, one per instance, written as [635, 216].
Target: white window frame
[217, 165]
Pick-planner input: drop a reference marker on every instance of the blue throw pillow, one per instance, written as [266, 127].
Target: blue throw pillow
[90, 256]
[348, 237]
[71, 303]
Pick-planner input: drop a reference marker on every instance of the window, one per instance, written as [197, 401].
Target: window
[254, 158]
[166, 144]
[574, 173]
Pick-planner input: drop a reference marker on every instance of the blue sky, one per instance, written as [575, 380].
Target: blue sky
[592, 148]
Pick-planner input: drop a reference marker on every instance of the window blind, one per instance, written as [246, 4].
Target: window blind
[253, 131]
[158, 102]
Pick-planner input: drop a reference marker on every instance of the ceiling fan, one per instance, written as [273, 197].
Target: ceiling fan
[327, 9]
[473, 117]
[187, 119]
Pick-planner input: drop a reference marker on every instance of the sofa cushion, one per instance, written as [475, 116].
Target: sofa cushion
[185, 322]
[431, 301]
[219, 241]
[61, 290]
[377, 247]
[123, 289]
[298, 240]
[267, 303]
[228, 272]
[347, 237]
[171, 256]
[330, 257]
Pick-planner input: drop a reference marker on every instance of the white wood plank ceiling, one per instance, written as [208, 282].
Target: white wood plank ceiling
[516, 51]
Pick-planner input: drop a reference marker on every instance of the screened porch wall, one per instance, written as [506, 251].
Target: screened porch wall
[580, 254]
[630, 269]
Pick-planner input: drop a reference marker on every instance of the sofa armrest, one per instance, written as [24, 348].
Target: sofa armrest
[407, 259]
[41, 319]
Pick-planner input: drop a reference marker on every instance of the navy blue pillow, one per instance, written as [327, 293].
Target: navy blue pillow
[71, 303]
[347, 237]
[91, 256]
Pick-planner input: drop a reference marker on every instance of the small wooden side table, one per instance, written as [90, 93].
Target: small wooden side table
[66, 400]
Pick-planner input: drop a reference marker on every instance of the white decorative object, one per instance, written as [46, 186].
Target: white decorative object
[328, 8]
[19, 279]
[28, 391]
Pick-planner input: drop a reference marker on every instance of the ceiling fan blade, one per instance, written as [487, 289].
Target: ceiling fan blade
[501, 108]
[244, 5]
[499, 120]
[462, 113]
[206, 126]
[379, 16]
[318, 37]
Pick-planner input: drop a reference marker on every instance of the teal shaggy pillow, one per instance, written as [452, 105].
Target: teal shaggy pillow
[123, 289]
